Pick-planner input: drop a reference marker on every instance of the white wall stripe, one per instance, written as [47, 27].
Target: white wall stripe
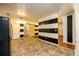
[51, 35]
[55, 25]
[36, 31]
[64, 29]
[46, 26]
[36, 27]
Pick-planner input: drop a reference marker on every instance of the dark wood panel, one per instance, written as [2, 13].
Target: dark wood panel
[36, 33]
[21, 35]
[55, 20]
[21, 30]
[69, 29]
[54, 30]
[21, 25]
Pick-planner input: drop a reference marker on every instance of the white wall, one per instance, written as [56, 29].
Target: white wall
[76, 8]
[64, 19]
[16, 27]
[16, 33]
[49, 26]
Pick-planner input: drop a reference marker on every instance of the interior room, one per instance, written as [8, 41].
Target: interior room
[39, 29]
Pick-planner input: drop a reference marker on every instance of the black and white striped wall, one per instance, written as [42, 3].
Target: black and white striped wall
[36, 30]
[48, 29]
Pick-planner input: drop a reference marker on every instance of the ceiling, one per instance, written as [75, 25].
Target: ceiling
[31, 10]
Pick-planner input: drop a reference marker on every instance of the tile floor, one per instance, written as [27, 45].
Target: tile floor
[31, 46]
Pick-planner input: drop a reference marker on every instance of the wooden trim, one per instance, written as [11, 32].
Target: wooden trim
[60, 40]
[71, 46]
[60, 35]
[60, 32]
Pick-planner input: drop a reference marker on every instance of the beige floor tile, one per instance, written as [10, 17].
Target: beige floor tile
[31, 46]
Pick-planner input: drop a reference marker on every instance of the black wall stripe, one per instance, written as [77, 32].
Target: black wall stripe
[54, 30]
[36, 33]
[69, 29]
[53, 40]
[21, 35]
[21, 30]
[36, 29]
[21, 25]
[55, 20]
